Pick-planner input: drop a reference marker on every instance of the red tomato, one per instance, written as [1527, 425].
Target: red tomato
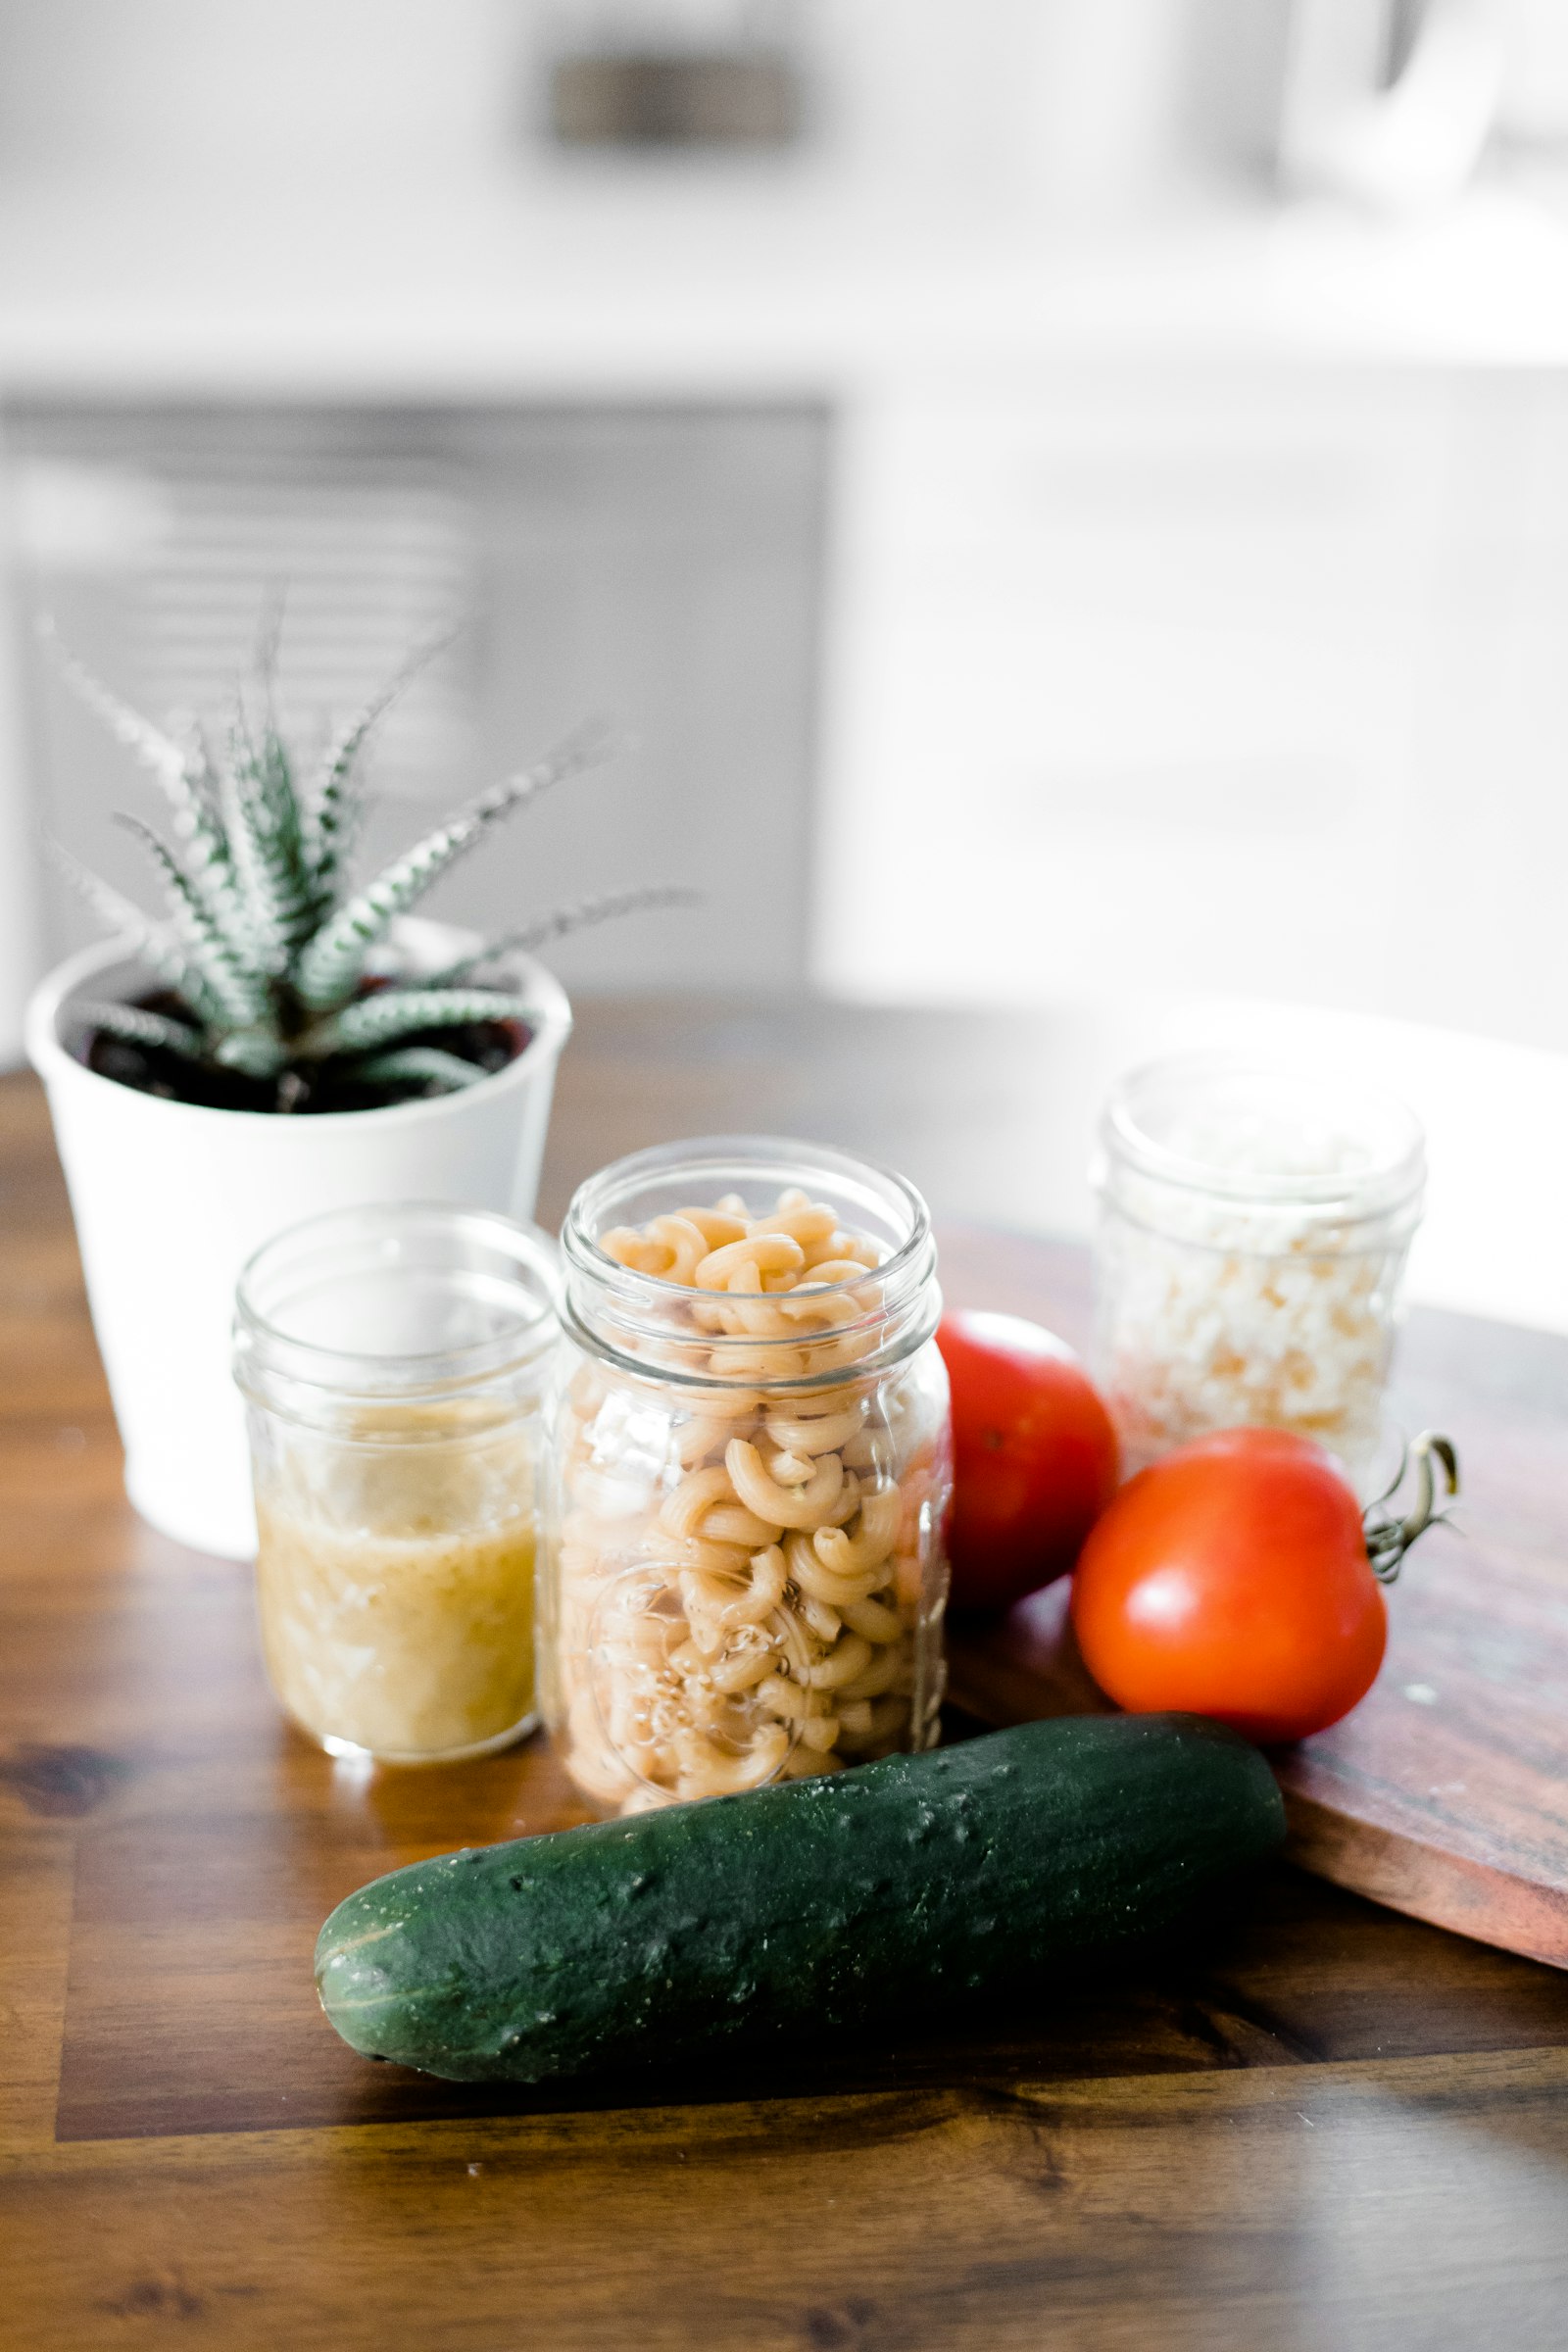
[1232, 1580]
[1035, 1456]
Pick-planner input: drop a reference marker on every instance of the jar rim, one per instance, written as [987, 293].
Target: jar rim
[722, 1161]
[1389, 1173]
[521, 1289]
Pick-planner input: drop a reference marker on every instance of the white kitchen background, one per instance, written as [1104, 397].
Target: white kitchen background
[1088, 517]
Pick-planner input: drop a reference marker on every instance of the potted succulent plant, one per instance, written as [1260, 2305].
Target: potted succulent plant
[281, 1043]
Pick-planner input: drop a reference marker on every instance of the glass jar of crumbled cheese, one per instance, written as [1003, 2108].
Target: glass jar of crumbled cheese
[1254, 1224]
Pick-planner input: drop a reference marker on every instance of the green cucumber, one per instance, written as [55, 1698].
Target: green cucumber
[917, 1886]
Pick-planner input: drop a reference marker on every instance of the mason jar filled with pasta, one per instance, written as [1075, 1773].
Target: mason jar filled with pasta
[749, 1468]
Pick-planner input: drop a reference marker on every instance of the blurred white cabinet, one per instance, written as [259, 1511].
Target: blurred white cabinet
[659, 567]
[1225, 677]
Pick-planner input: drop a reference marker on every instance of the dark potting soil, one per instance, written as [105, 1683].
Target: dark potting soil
[152, 1070]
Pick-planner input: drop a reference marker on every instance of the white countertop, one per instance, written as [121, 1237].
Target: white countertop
[654, 284]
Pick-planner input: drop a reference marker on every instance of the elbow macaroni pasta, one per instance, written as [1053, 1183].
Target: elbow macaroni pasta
[747, 1580]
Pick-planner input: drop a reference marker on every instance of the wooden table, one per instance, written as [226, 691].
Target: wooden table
[1314, 2125]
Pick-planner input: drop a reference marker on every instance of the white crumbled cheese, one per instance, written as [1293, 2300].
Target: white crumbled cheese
[1219, 1311]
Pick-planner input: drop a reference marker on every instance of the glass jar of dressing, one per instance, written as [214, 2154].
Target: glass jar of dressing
[1254, 1229]
[393, 1360]
[750, 1470]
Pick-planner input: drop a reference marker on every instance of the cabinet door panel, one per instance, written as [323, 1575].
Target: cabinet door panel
[1221, 677]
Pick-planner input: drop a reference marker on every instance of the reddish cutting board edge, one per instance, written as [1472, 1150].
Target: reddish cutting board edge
[1473, 1898]
[1025, 1666]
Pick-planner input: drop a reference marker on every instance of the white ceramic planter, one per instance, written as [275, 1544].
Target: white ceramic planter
[171, 1199]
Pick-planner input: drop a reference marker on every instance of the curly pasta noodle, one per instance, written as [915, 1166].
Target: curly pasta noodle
[746, 1584]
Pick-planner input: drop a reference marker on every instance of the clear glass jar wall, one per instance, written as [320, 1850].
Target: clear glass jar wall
[1254, 1230]
[393, 1360]
[750, 1473]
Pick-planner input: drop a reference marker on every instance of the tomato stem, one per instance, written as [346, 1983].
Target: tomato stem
[1389, 1537]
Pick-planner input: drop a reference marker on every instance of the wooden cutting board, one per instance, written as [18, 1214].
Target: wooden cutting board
[1446, 1793]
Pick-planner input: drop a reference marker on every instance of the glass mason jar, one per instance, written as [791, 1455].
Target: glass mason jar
[393, 1361]
[750, 1471]
[1254, 1228]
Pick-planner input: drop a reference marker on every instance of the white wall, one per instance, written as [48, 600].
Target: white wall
[187, 87]
[21, 930]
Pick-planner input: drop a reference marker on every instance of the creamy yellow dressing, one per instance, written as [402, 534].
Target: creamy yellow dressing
[396, 1590]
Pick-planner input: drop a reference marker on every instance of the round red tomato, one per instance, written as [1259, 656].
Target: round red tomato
[1035, 1456]
[1232, 1580]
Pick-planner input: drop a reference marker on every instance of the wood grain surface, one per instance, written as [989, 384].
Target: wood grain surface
[1315, 2124]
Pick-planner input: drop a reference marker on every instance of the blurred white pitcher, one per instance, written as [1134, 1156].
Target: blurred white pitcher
[1398, 142]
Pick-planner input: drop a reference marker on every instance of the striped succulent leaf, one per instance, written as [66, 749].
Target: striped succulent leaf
[205, 846]
[329, 968]
[559, 922]
[143, 1028]
[149, 940]
[259, 1051]
[332, 805]
[171, 762]
[276, 883]
[393, 1012]
[185, 770]
[425, 1065]
[238, 991]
